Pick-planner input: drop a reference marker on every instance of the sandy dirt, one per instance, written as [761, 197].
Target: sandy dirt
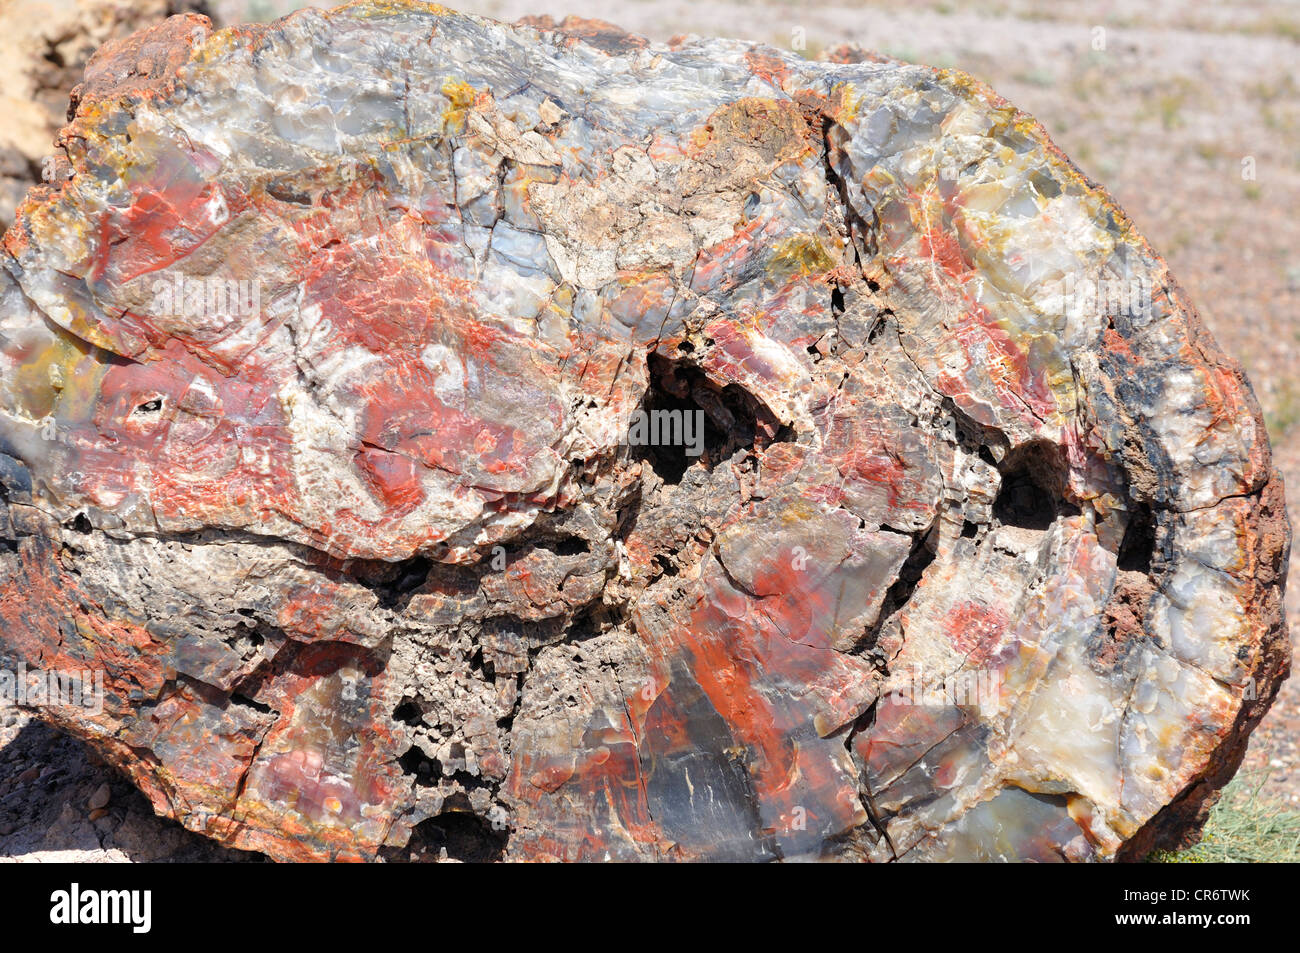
[1189, 113]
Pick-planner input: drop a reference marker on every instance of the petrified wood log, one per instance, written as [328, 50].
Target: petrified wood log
[683, 452]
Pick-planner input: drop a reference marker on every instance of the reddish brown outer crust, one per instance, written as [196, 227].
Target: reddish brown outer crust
[601, 34]
[1268, 532]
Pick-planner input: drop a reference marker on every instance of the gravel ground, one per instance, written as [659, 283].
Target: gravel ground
[1189, 113]
[58, 802]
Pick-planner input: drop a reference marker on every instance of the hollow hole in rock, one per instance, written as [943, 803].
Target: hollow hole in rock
[412, 574]
[150, 406]
[591, 621]
[1031, 495]
[914, 567]
[54, 56]
[686, 419]
[425, 770]
[238, 698]
[900, 592]
[408, 712]
[479, 664]
[570, 546]
[391, 582]
[665, 565]
[465, 836]
[1138, 545]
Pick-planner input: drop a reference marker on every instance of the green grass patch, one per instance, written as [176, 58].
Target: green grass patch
[1243, 829]
[1283, 411]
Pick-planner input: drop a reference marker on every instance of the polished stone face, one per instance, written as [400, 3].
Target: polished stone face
[683, 452]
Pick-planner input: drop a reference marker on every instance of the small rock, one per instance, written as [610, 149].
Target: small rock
[30, 775]
[103, 794]
[98, 812]
[551, 114]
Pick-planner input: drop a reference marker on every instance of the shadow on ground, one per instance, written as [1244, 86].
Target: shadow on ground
[50, 789]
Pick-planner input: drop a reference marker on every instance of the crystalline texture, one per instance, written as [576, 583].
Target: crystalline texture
[320, 362]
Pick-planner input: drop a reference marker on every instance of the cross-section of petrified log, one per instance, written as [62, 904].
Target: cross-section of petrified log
[634, 452]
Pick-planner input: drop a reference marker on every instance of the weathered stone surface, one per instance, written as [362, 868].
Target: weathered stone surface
[981, 556]
[43, 50]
